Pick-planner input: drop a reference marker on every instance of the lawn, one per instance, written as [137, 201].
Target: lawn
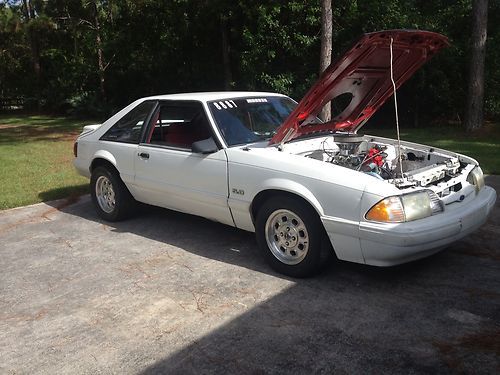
[35, 156]
[483, 145]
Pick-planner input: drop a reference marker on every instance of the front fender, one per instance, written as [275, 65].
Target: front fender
[294, 188]
[241, 208]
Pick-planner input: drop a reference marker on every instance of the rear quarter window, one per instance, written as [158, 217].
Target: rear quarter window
[129, 128]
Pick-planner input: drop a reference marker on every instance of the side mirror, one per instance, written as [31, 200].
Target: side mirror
[205, 146]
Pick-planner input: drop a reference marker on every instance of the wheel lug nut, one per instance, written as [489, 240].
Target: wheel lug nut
[287, 229]
[287, 243]
[293, 238]
[281, 234]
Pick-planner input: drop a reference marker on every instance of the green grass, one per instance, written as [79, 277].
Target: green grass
[483, 145]
[36, 154]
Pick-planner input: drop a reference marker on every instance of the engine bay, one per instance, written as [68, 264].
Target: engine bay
[380, 159]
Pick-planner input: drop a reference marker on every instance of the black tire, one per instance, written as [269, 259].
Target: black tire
[114, 206]
[279, 254]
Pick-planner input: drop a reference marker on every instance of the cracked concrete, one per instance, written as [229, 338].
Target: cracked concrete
[171, 293]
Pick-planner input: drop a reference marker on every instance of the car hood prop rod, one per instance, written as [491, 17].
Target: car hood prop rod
[396, 110]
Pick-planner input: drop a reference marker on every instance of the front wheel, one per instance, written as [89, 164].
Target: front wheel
[110, 196]
[291, 237]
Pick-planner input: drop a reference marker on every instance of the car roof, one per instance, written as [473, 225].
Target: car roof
[209, 96]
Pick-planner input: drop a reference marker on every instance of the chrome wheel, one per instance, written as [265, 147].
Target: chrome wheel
[287, 237]
[105, 194]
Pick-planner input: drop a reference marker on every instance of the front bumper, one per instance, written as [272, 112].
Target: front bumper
[391, 244]
[383, 244]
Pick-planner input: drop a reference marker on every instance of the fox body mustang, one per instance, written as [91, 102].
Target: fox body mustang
[309, 189]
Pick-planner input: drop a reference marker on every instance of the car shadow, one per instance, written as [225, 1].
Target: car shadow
[433, 315]
[217, 241]
[224, 243]
[72, 192]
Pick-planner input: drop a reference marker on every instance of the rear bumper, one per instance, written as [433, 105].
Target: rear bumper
[82, 167]
[382, 244]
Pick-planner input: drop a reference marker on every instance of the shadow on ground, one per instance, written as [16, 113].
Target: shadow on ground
[440, 314]
[72, 193]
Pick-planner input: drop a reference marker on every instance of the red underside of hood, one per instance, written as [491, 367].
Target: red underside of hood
[364, 72]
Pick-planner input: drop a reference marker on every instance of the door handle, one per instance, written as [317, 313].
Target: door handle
[143, 155]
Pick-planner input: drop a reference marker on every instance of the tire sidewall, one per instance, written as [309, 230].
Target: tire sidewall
[310, 265]
[118, 187]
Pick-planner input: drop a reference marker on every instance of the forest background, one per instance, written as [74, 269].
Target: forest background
[91, 57]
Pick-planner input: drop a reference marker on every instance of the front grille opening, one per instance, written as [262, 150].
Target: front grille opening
[449, 190]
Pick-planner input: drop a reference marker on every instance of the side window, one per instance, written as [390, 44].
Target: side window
[128, 129]
[179, 125]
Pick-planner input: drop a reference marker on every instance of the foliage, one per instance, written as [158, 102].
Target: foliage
[152, 47]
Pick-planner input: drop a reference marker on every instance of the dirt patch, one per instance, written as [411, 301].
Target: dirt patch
[24, 317]
[479, 247]
[474, 292]
[485, 253]
[455, 353]
[44, 215]
[488, 130]
[63, 160]
[73, 198]
[9, 126]
[37, 133]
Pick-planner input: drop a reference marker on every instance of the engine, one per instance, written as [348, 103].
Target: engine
[355, 153]
[420, 167]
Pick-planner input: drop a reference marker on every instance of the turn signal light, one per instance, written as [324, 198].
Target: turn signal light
[389, 210]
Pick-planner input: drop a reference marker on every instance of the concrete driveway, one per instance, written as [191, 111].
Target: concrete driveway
[172, 293]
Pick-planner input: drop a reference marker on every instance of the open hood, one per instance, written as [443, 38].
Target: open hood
[360, 81]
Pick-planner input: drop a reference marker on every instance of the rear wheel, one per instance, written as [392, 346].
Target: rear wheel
[111, 198]
[291, 237]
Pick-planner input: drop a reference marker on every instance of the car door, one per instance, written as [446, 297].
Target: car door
[169, 174]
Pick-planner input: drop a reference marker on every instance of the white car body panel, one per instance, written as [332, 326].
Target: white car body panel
[183, 181]
[222, 186]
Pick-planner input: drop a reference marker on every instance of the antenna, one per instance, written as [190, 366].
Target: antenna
[396, 111]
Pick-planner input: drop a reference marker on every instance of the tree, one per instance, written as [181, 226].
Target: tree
[34, 42]
[68, 55]
[325, 58]
[226, 62]
[100, 55]
[475, 95]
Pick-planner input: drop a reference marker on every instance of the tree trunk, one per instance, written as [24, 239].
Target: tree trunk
[474, 106]
[100, 54]
[325, 58]
[226, 62]
[34, 49]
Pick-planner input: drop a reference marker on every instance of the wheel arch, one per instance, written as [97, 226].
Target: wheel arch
[103, 158]
[286, 188]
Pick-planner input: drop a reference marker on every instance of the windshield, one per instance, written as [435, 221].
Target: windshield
[247, 120]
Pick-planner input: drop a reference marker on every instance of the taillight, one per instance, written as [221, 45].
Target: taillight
[75, 149]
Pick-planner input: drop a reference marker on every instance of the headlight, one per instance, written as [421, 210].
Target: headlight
[408, 207]
[476, 178]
